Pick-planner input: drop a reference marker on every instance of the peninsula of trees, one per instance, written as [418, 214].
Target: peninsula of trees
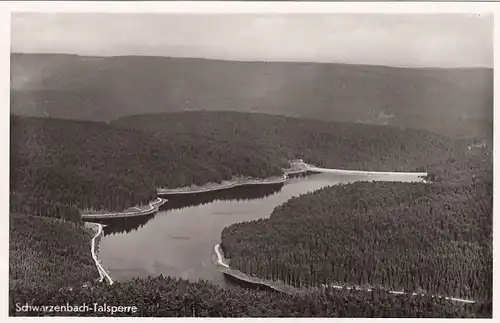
[426, 238]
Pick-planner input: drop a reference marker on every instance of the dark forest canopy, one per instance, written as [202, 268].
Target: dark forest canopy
[327, 144]
[455, 102]
[48, 253]
[50, 264]
[171, 297]
[432, 238]
[94, 165]
[58, 166]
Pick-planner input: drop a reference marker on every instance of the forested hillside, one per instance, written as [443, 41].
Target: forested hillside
[48, 254]
[431, 238]
[170, 297]
[56, 164]
[50, 264]
[327, 144]
[435, 238]
[454, 102]
[59, 166]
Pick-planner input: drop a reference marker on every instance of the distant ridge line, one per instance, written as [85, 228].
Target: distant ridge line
[424, 67]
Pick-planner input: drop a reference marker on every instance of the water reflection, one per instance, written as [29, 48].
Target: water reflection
[125, 225]
[175, 202]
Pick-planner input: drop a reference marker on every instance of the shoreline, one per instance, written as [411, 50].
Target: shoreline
[220, 260]
[222, 186]
[102, 272]
[363, 172]
[158, 202]
[303, 168]
[289, 289]
[151, 208]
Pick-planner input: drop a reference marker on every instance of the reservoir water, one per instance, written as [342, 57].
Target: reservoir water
[179, 240]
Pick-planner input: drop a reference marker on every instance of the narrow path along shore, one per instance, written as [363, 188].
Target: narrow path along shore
[151, 208]
[299, 168]
[291, 289]
[363, 172]
[222, 186]
[220, 261]
[102, 272]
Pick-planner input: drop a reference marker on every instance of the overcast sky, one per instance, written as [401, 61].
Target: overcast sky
[396, 40]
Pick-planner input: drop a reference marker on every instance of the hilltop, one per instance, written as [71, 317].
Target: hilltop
[455, 102]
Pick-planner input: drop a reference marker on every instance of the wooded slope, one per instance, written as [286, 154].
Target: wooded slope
[58, 166]
[433, 238]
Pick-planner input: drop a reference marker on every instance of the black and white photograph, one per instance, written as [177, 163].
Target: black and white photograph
[250, 164]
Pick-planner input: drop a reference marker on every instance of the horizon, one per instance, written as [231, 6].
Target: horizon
[255, 61]
[394, 40]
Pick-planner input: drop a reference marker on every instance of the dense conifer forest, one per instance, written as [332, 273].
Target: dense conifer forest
[50, 264]
[58, 164]
[428, 238]
[48, 253]
[434, 238]
[61, 166]
[170, 297]
[327, 144]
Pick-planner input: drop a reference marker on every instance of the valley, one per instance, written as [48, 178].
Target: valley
[257, 221]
